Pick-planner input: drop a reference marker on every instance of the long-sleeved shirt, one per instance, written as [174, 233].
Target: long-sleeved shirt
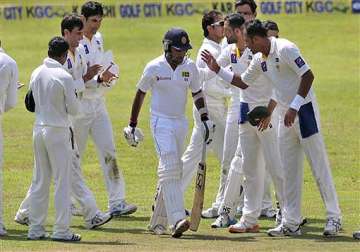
[8, 82]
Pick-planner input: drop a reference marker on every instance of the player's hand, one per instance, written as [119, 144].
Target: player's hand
[91, 72]
[107, 77]
[209, 128]
[290, 116]
[264, 123]
[210, 61]
[133, 135]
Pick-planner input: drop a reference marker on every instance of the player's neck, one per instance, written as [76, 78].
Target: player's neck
[214, 38]
[240, 46]
[88, 35]
[72, 50]
[267, 47]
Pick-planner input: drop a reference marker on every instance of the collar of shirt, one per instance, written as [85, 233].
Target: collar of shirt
[51, 63]
[212, 43]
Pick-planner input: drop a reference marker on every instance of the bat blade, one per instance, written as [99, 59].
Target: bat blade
[199, 194]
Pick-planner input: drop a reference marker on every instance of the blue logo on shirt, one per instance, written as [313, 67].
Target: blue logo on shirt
[86, 49]
[69, 64]
[233, 58]
[263, 66]
[299, 62]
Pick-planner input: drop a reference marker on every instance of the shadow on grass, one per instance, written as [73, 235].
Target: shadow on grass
[116, 230]
[18, 235]
[131, 218]
[188, 236]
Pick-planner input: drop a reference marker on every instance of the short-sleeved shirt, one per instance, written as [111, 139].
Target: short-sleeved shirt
[169, 87]
[260, 91]
[283, 67]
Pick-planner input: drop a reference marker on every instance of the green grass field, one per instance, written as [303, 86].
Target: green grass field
[330, 43]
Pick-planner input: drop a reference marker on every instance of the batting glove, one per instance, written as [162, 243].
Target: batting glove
[209, 128]
[133, 135]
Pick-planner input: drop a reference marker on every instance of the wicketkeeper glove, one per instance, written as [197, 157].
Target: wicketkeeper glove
[209, 128]
[257, 114]
[133, 135]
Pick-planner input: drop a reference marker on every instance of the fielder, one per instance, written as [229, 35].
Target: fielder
[71, 29]
[94, 119]
[255, 146]
[281, 63]
[54, 95]
[169, 77]
[215, 93]
[8, 89]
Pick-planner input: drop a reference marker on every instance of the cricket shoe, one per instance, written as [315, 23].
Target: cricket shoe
[38, 237]
[332, 227]
[239, 211]
[123, 208]
[278, 217]
[223, 221]
[158, 229]
[180, 227]
[68, 238]
[241, 227]
[22, 219]
[282, 230]
[76, 211]
[98, 220]
[210, 213]
[356, 235]
[2, 230]
[268, 212]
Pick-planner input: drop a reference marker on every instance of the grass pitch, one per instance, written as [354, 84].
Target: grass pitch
[330, 43]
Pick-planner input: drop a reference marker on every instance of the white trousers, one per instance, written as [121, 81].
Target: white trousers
[292, 149]
[169, 136]
[79, 191]
[192, 155]
[1, 174]
[257, 147]
[52, 149]
[95, 121]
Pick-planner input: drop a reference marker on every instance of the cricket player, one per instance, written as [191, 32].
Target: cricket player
[94, 119]
[169, 76]
[281, 62]
[255, 145]
[71, 30]
[8, 89]
[247, 9]
[216, 93]
[55, 99]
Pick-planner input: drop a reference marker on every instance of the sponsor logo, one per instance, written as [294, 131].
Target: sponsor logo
[233, 58]
[69, 64]
[159, 78]
[86, 49]
[355, 6]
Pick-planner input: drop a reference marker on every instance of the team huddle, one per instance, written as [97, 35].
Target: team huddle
[259, 139]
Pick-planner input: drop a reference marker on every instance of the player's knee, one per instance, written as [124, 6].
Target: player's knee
[169, 167]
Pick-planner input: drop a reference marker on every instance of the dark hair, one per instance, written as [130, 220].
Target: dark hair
[57, 47]
[71, 21]
[251, 3]
[92, 8]
[235, 20]
[255, 28]
[270, 25]
[209, 19]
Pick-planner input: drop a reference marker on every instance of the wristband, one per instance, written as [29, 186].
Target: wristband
[297, 102]
[132, 124]
[226, 75]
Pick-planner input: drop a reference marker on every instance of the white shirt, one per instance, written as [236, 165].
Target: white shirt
[169, 87]
[94, 50]
[76, 66]
[283, 68]
[260, 91]
[214, 86]
[54, 94]
[8, 82]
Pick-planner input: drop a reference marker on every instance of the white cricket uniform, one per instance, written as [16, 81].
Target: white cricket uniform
[283, 68]
[215, 95]
[54, 95]
[169, 127]
[8, 89]
[76, 66]
[94, 120]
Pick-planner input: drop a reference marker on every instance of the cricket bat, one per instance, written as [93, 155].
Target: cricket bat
[199, 192]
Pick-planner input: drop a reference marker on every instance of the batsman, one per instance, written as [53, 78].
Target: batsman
[169, 76]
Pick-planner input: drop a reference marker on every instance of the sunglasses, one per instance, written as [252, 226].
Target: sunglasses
[218, 23]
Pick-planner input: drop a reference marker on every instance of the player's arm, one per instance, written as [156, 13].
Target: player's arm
[11, 94]
[296, 62]
[226, 75]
